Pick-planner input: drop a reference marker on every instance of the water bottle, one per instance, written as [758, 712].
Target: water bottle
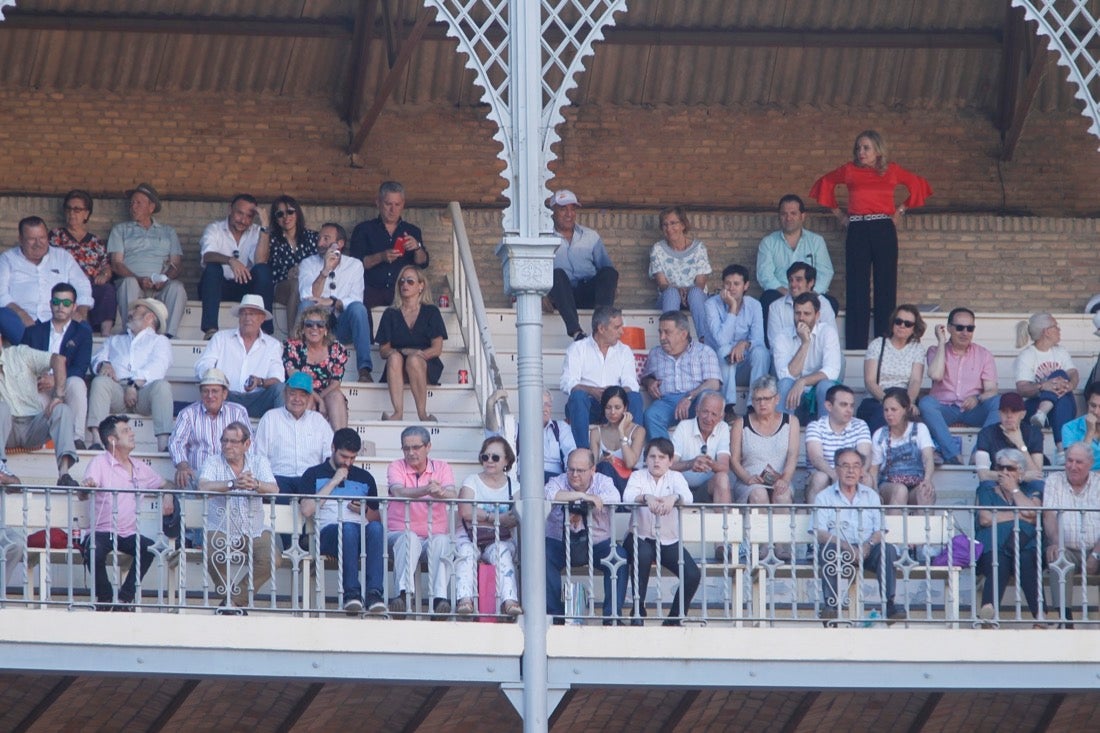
[872, 618]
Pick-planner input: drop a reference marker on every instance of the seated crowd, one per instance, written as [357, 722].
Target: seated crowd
[693, 443]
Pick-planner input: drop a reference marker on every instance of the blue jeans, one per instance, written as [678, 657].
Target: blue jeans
[1064, 410]
[669, 300]
[757, 363]
[662, 413]
[354, 327]
[938, 416]
[583, 410]
[822, 387]
[214, 288]
[555, 563]
[259, 401]
[349, 561]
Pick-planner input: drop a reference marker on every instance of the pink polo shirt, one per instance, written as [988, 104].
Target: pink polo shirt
[962, 375]
[400, 474]
[108, 473]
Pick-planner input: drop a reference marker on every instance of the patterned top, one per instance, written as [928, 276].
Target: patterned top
[283, 257]
[680, 267]
[1079, 524]
[295, 356]
[896, 365]
[682, 373]
[758, 451]
[90, 253]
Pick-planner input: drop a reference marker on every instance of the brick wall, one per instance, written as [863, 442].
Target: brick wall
[206, 147]
[728, 166]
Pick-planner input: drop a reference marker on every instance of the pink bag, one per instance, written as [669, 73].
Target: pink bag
[487, 593]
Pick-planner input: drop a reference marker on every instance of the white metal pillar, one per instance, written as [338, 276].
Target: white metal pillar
[526, 76]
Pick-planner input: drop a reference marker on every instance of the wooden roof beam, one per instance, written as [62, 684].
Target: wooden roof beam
[1026, 99]
[394, 75]
[359, 58]
[210, 25]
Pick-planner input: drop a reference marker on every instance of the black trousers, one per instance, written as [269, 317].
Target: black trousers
[870, 245]
[600, 290]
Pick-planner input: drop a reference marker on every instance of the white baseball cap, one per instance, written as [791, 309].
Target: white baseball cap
[564, 197]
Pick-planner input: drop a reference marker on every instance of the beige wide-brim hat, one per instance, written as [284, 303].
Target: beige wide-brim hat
[255, 302]
[214, 376]
[158, 308]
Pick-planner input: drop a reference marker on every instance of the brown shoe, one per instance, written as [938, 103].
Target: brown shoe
[547, 305]
[465, 607]
[209, 334]
[365, 376]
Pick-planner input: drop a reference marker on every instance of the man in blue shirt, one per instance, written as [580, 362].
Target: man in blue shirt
[735, 330]
[343, 519]
[583, 274]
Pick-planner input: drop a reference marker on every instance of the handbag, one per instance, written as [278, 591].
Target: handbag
[620, 467]
[486, 536]
[960, 553]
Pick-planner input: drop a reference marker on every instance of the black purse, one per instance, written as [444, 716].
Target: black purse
[486, 536]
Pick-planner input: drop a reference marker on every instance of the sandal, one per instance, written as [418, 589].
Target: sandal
[465, 607]
[511, 608]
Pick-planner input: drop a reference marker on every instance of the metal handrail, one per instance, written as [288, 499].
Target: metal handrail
[470, 310]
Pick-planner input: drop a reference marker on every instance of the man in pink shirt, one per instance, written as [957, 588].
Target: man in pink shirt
[114, 513]
[964, 384]
[424, 525]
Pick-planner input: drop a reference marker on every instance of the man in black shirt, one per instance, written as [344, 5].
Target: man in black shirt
[386, 245]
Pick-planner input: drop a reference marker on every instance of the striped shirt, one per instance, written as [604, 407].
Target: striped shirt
[1079, 525]
[854, 434]
[293, 445]
[197, 434]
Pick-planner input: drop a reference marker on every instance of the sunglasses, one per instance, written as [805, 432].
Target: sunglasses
[62, 301]
[960, 328]
[1010, 469]
[313, 324]
[332, 280]
[408, 281]
[287, 212]
[904, 323]
[494, 457]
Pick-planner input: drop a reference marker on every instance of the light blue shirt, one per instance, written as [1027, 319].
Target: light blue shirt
[144, 251]
[774, 256]
[852, 521]
[725, 329]
[1074, 432]
[582, 257]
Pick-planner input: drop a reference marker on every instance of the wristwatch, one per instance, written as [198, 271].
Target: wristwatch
[231, 483]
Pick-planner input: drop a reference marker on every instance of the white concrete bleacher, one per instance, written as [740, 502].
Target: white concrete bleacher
[455, 437]
[996, 331]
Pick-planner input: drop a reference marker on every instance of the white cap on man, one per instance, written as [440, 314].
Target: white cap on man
[564, 197]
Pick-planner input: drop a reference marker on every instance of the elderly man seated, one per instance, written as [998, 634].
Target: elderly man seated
[675, 374]
[1071, 528]
[1087, 427]
[702, 451]
[423, 526]
[585, 524]
[251, 359]
[24, 423]
[132, 371]
[292, 437]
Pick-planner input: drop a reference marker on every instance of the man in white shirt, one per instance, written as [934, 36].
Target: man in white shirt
[811, 361]
[234, 262]
[331, 280]
[557, 440]
[131, 372]
[592, 365]
[702, 451]
[779, 316]
[252, 360]
[293, 438]
[835, 430]
[28, 272]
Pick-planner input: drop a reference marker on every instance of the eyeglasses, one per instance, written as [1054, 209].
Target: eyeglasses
[577, 470]
[231, 441]
[411, 448]
[494, 457]
[904, 323]
[313, 324]
[960, 328]
[408, 281]
[287, 212]
[62, 301]
[1010, 469]
[764, 398]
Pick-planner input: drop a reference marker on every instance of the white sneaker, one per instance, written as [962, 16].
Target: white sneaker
[353, 607]
[1039, 420]
[1059, 459]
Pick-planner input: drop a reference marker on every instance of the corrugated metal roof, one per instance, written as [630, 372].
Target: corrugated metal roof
[670, 74]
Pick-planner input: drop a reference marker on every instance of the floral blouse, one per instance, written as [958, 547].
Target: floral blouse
[90, 253]
[329, 371]
[681, 268]
[283, 257]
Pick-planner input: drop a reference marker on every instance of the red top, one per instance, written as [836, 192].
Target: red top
[869, 192]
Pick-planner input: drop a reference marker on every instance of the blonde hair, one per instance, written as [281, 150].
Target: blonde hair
[313, 312]
[1030, 330]
[425, 294]
[879, 145]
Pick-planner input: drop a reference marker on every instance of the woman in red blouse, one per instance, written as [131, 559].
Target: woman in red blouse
[872, 239]
[90, 253]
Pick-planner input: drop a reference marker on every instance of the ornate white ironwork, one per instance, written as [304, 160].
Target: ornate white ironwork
[569, 29]
[4, 3]
[1070, 27]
